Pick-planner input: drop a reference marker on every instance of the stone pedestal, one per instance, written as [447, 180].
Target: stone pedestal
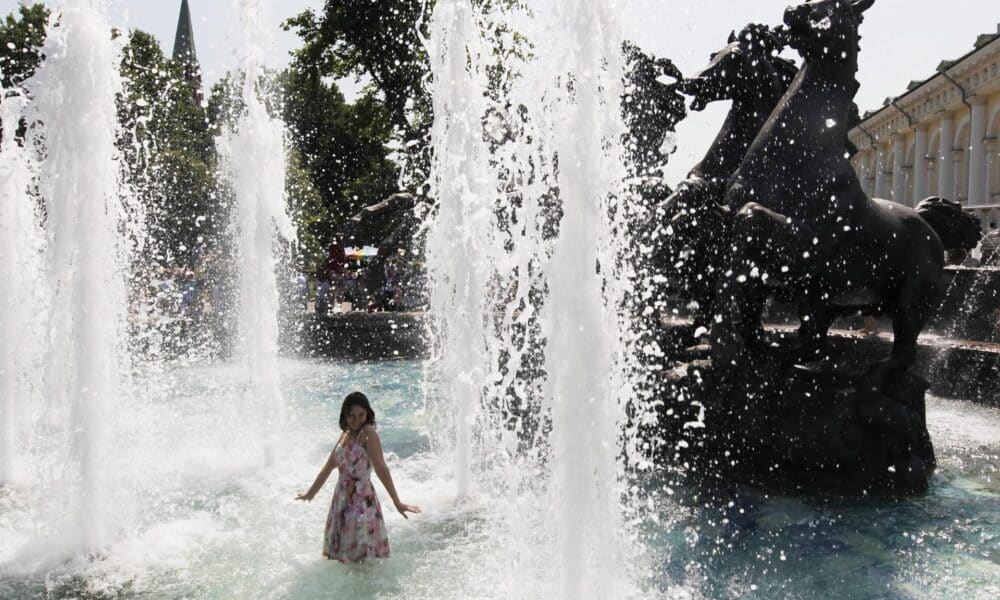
[828, 427]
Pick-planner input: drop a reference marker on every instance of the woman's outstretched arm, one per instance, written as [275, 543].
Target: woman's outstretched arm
[324, 473]
[373, 446]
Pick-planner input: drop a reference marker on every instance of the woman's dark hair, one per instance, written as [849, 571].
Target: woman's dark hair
[356, 399]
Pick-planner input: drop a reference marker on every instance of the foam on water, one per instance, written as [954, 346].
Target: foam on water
[210, 521]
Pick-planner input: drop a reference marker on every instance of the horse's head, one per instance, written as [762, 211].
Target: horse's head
[741, 67]
[825, 30]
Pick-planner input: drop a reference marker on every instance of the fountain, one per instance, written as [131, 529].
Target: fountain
[20, 261]
[794, 222]
[83, 208]
[258, 187]
[490, 280]
[558, 449]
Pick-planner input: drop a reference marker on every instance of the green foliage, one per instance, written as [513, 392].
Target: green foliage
[374, 40]
[378, 44]
[20, 41]
[341, 145]
[381, 44]
[307, 210]
[334, 152]
[169, 152]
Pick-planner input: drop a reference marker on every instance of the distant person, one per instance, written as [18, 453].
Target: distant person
[390, 285]
[335, 269]
[189, 295]
[322, 296]
[357, 290]
[302, 289]
[355, 528]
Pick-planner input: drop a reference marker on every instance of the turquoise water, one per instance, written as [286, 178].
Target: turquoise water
[945, 544]
[202, 516]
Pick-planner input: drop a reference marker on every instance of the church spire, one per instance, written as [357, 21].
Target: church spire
[184, 40]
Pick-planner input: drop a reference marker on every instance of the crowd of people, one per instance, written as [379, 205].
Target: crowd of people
[369, 283]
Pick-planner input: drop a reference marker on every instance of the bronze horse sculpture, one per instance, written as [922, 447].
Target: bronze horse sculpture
[748, 72]
[803, 225]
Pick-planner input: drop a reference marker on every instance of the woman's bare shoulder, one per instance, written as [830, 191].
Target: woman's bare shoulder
[368, 432]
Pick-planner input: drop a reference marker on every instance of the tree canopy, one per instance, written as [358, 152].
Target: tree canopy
[169, 152]
[374, 40]
[21, 37]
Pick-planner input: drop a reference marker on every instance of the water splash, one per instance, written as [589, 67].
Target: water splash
[461, 243]
[73, 117]
[21, 246]
[582, 337]
[523, 259]
[252, 155]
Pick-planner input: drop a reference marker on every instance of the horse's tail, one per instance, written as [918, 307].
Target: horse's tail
[958, 229]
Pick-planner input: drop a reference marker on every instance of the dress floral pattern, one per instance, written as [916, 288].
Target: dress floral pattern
[355, 529]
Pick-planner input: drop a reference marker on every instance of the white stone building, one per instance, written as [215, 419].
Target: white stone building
[941, 137]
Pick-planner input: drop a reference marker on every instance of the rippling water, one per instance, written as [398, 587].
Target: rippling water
[205, 518]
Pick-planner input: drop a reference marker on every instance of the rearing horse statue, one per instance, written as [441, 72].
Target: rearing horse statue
[748, 72]
[802, 222]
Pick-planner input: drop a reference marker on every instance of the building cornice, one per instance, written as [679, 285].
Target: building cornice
[978, 73]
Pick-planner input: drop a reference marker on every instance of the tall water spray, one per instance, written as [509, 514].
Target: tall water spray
[73, 110]
[461, 244]
[254, 152]
[579, 357]
[524, 184]
[21, 300]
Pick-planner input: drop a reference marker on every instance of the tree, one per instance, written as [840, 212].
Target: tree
[169, 153]
[377, 43]
[342, 146]
[375, 40]
[20, 44]
[20, 48]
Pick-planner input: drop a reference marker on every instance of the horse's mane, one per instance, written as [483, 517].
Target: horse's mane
[763, 39]
[785, 68]
[955, 227]
[760, 35]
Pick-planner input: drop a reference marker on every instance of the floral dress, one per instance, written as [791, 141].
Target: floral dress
[355, 530]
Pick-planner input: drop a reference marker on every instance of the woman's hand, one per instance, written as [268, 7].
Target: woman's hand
[307, 496]
[405, 508]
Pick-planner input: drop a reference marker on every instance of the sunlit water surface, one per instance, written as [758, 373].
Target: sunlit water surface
[205, 518]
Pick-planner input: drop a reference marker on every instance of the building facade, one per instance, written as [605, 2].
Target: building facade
[941, 137]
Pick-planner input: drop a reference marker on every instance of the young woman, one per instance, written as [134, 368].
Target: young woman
[355, 530]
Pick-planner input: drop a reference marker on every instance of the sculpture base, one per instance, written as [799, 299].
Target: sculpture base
[827, 427]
